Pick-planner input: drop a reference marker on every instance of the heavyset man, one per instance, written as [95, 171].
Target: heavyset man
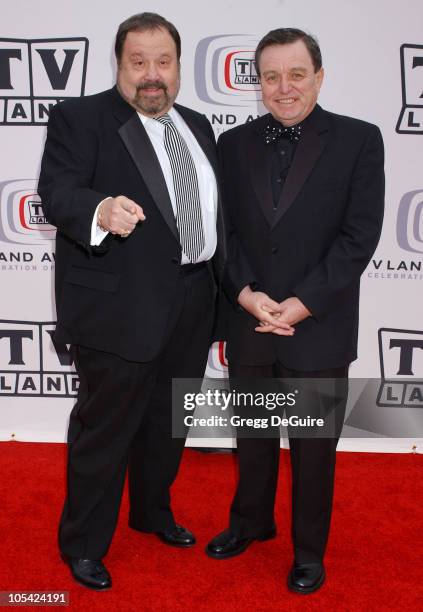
[128, 178]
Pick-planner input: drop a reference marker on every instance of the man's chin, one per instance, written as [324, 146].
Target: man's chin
[151, 107]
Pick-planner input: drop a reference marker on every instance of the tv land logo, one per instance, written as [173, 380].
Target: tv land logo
[36, 74]
[410, 120]
[32, 364]
[410, 221]
[225, 71]
[401, 365]
[22, 220]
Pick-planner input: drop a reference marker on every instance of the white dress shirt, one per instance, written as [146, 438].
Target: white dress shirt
[206, 181]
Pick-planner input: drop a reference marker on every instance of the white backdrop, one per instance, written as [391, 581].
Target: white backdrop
[373, 58]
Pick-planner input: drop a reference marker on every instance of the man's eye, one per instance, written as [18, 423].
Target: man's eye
[297, 76]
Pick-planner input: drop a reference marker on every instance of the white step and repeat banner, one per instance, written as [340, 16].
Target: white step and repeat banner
[373, 58]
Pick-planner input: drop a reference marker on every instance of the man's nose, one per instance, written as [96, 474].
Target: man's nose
[284, 84]
[151, 72]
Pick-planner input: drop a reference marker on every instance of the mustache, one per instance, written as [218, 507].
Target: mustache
[148, 84]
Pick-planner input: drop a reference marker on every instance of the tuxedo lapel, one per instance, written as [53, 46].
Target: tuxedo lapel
[309, 149]
[142, 152]
[259, 156]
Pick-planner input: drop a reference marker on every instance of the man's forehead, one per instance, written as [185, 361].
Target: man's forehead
[291, 55]
[157, 39]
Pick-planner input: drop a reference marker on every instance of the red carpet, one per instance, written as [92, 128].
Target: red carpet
[374, 558]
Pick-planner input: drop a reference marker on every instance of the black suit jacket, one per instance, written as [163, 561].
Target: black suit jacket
[315, 246]
[115, 297]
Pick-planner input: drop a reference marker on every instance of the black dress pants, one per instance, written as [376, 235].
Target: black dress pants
[123, 418]
[312, 466]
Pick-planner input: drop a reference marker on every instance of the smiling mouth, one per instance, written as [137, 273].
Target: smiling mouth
[286, 101]
[151, 90]
[151, 87]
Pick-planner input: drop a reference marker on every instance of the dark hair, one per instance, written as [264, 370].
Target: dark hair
[285, 36]
[142, 22]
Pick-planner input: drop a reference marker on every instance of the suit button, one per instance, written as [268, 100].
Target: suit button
[274, 250]
[175, 260]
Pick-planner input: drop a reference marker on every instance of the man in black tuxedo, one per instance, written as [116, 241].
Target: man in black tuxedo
[138, 254]
[304, 195]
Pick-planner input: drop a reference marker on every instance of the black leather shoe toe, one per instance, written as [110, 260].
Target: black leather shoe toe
[306, 578]
[90, 573]
[227, 544]
[177, 536]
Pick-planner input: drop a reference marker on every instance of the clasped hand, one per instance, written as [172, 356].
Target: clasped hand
[274, 317]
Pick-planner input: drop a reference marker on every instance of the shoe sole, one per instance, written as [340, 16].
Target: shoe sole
[92, 588]
[177, 545]
[307, 590]
[240, 550]
[158, 536]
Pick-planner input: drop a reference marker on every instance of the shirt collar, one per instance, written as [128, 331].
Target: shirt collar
[171, 112]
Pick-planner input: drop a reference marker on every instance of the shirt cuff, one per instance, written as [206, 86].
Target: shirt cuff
[97, 234]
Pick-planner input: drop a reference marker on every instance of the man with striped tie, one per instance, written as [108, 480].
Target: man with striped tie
[128, 177]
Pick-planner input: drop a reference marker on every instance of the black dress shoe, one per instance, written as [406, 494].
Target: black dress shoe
[90, 573]
[306, 578]
[227, 544]
[177, 536]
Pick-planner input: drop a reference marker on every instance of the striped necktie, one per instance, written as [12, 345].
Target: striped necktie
[185, 182]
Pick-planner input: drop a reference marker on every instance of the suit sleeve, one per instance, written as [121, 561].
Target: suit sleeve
[67, 168]
[330, 282]
[238, 272]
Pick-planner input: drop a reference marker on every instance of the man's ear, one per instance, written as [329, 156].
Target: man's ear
[319, 76]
